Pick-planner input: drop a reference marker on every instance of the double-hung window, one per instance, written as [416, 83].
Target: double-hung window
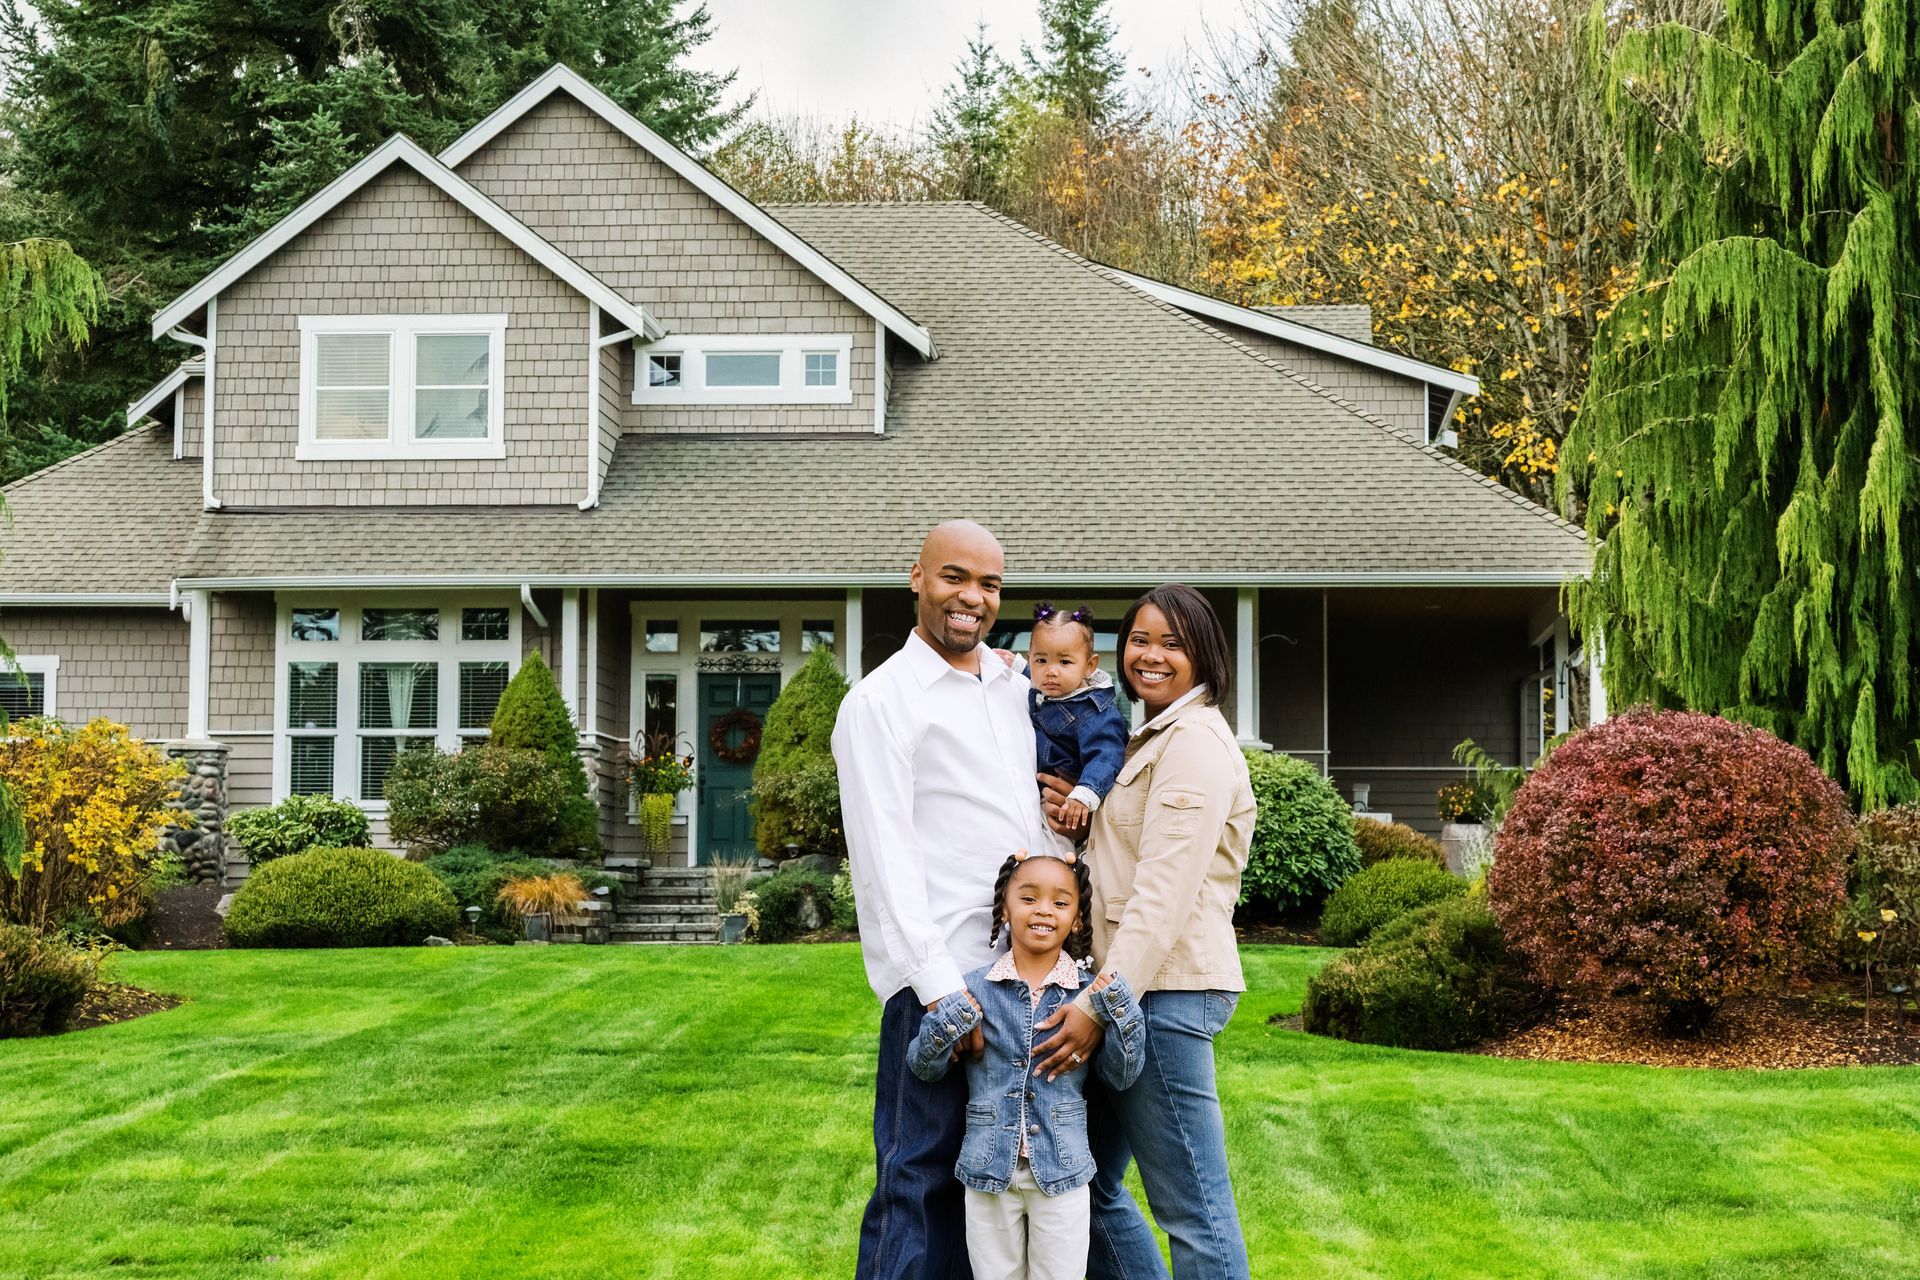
[364, 686]
[745, 368]
[401, 387]
[27, 686]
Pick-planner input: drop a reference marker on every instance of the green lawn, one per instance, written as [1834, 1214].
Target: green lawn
[574, 1111]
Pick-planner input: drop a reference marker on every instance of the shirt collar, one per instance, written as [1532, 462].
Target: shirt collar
[1065, 974]
[927, 665]
[1166, 717]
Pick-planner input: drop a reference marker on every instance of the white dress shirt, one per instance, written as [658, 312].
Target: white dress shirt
[936, 789]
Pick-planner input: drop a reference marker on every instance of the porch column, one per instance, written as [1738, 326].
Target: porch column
[199, 660]
[1562, 713]
[1246, 676]
[856, 632]
[592, 697]
[1596, 686]
[570, 651]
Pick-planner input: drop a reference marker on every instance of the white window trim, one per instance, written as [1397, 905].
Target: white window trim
[793, 349]
[400, 443]
[46, 665]
[349, 651]
[684, 665]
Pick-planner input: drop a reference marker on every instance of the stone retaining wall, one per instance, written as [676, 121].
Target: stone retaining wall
[202, 844]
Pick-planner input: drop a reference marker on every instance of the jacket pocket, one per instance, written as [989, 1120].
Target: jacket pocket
[980, 1148]
[1116, 907]
[1068, 1123]
[1180, 809]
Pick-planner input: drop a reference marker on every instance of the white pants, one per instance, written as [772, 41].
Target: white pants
[1025, 1234]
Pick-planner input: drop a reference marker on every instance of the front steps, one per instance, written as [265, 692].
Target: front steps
[668, 904]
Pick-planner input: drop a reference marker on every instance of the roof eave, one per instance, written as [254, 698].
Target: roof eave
[1102, 578]
[1304, 335]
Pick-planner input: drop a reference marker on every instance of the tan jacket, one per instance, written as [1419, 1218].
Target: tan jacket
[1167, 849]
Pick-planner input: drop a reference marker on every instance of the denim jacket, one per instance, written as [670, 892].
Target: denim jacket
[1082, 737]
[1005, 1098]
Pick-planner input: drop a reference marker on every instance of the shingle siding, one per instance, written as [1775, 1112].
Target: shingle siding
[659, 240]
[240, 685]
[1399, 402]
[192, 417]
[399, 246]
[128, 665]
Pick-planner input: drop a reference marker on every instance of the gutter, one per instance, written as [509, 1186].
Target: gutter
[889, 578]
[90, 599]
[207, 500]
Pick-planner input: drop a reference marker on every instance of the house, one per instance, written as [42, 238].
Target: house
[560, 389]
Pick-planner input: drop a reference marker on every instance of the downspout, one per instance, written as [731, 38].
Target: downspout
[533, 610]
[207, 500]
[598, 345]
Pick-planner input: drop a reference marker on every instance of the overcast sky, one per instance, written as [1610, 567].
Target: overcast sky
[886, 60]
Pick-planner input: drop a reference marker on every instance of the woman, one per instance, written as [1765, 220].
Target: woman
[1167, 848]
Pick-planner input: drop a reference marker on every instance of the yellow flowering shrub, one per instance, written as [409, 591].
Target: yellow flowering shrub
[93, 801]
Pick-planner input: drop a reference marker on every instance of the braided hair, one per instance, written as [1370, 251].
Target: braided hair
[1079, 943]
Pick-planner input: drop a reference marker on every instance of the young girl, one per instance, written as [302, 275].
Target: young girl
[1081, 734]
[1025, 1159]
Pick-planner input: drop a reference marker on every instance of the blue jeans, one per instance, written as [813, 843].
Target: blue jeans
[1170, 1122]
[915, 1224]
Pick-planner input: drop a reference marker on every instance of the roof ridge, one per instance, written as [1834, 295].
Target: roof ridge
[73, 458]
[874, 204]
[1110, 274]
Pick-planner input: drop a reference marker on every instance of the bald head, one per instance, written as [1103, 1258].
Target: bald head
[957, 579]
[964, 538]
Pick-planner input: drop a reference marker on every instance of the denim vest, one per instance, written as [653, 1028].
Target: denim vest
[1005, 1099]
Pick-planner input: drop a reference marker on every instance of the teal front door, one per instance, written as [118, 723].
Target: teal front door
[726, 823]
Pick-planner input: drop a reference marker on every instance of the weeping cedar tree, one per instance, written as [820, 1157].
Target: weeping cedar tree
[1746, 448]
[159, 137]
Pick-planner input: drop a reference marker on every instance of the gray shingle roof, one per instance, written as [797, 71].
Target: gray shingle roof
[1096, 430]
[115, 518]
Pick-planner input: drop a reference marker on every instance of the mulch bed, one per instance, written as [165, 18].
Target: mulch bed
[113, 1002]
[183, 919]
[1276, 935]
[1823, 1026]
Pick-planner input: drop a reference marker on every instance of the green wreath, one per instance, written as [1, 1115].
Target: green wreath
[720, 737]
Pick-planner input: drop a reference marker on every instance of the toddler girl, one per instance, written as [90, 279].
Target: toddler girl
[1081, 734]
[1025, 1159]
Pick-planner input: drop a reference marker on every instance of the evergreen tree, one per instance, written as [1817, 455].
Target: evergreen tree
[532, 715]
[1747, 445]
[1078, 71]
[969, 125]
[158, 136]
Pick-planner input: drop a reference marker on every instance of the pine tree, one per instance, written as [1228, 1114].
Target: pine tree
[969, 125]
[1078, 71]
[1746, 448]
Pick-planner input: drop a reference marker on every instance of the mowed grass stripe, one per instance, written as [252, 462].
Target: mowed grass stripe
[705, 1112]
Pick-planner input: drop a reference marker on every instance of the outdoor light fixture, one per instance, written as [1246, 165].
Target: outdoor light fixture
[473, 916]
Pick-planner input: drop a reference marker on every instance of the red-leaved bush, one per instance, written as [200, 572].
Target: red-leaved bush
[1674, 856]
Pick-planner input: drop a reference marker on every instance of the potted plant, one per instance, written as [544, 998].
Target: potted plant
[1463, 831]
[658, 776]
[540, 901]
[733, 900]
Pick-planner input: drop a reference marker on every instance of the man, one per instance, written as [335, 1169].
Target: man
[937, 761]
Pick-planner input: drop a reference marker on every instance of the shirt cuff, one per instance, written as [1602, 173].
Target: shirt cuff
[1086, 797]
[936, 980]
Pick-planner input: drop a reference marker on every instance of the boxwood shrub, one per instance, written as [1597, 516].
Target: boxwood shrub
[1437, 978]
[1302, 844]
[297, 824]
[42, 981]
[1379, 841]
[340, 898]
[1380, 894]
[778, 900]
[475, 874]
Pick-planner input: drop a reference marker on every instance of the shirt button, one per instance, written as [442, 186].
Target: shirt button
[952, 1030]
[1033, 1128]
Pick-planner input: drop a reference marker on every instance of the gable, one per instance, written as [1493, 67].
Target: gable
[647, 218]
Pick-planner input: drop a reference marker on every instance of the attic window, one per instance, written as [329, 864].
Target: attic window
[389, 387]
[746, 369]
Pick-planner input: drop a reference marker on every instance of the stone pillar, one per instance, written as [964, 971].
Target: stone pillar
[202, 846]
